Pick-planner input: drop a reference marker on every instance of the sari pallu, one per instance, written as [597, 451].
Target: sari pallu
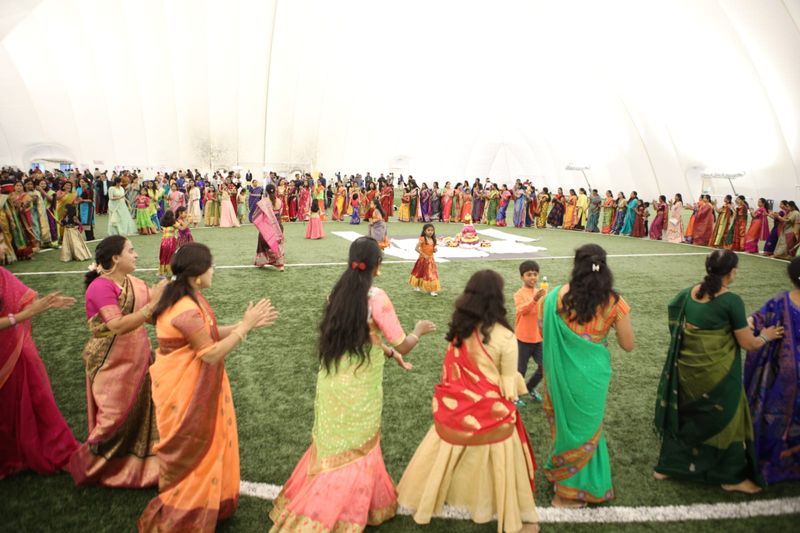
[199, 448]
[701, 411]
[556, 216]
[630, 217]
[758, 231]
[122, 427]
[657, 226]
[577, 373]
[619, 218]
[269, 250]
[734, 239]
[33, 433]
[22, 237]
[477, 455]
[769, 245]
[771, 380]
[387, 201]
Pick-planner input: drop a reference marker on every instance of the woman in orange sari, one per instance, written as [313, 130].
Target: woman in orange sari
[759, 229]
[477, 455]
[122, 428]
[466, 204]
[198, 452]
[570, 207]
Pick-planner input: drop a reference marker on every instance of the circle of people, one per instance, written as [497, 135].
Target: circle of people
[45, 209]
[167, 418]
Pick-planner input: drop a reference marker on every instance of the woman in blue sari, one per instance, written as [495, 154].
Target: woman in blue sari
[630, 215]
[520, 201]
[772, 380]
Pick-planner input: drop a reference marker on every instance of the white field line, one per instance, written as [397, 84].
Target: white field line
[340, 263]
[607, 514]
[387, 262]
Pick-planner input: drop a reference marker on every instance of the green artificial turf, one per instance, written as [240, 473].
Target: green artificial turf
[273, 374]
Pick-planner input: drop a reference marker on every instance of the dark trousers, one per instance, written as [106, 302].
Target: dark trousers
[528, 350]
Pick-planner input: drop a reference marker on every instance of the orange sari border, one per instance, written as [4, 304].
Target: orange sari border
[289, 521]
[196, 519]
[570, 462]
[581, 495]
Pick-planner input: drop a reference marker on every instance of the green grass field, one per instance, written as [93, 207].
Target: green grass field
[273, 373]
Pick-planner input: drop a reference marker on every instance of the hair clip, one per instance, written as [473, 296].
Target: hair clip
[595, 267]
[93, 267]
[361, 266]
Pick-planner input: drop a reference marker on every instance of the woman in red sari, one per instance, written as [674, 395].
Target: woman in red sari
[372, 192]
[198, 452]
[759, 229]
[477, 455]
[447, 202]
[33, 434]
[466, 205]
[703, 221]
[122, 428]
[387, 197]
[282, 194]
[735, 238]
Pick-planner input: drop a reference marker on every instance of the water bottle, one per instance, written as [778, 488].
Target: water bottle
[544, 285]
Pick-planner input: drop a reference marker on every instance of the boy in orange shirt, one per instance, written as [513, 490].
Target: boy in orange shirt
[527, 327]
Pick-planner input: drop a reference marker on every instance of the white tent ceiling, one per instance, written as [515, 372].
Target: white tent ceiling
[648, 94]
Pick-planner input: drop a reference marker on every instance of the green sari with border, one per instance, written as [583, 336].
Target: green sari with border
[577, 373]
[701, 411]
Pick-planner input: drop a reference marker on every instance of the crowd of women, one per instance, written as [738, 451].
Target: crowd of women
[168, 419]
[35, 212]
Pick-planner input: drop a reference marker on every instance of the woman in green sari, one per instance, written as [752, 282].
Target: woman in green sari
[702, 413]
[493, 198]
[577, 371]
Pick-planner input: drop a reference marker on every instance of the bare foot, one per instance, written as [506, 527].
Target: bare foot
[746, 486]
[529, 528]
[566, 503]
[658, 476]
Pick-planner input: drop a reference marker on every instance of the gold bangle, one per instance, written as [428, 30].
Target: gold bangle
[242, 338]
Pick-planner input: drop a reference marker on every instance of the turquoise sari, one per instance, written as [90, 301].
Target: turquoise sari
[577, 373]
[630, 217]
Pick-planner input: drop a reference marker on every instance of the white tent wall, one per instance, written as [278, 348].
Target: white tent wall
[648, 94]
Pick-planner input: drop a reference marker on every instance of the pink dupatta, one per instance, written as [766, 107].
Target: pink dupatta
[268, 226]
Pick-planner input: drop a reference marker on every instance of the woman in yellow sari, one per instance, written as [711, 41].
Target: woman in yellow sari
[64, 197]
[198, 451]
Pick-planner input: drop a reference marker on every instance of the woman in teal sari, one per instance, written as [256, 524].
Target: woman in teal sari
[577, 370]
[630, 215]
[701, 412]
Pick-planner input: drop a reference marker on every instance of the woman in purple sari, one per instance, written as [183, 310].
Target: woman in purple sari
[425, 202]
[255, 196]
[772, 380]
[478, 203]
[777, 226]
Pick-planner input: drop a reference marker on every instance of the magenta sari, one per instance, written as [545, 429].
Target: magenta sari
[269, 250]
[33, 434]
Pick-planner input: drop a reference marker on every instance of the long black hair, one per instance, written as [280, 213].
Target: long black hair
[167, 219]
[719, 264]
[190, 260]
[481, 304]
[344, 328]
[376, 204]
[425, 227]
[103, 255]
[591, 285]
[794, 271]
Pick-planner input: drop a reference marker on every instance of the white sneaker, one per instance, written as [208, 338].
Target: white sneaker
[434, 294]
[417, 289]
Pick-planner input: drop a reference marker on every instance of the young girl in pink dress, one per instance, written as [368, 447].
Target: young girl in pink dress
[169, 243]
[314, 227]
[182, 225]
